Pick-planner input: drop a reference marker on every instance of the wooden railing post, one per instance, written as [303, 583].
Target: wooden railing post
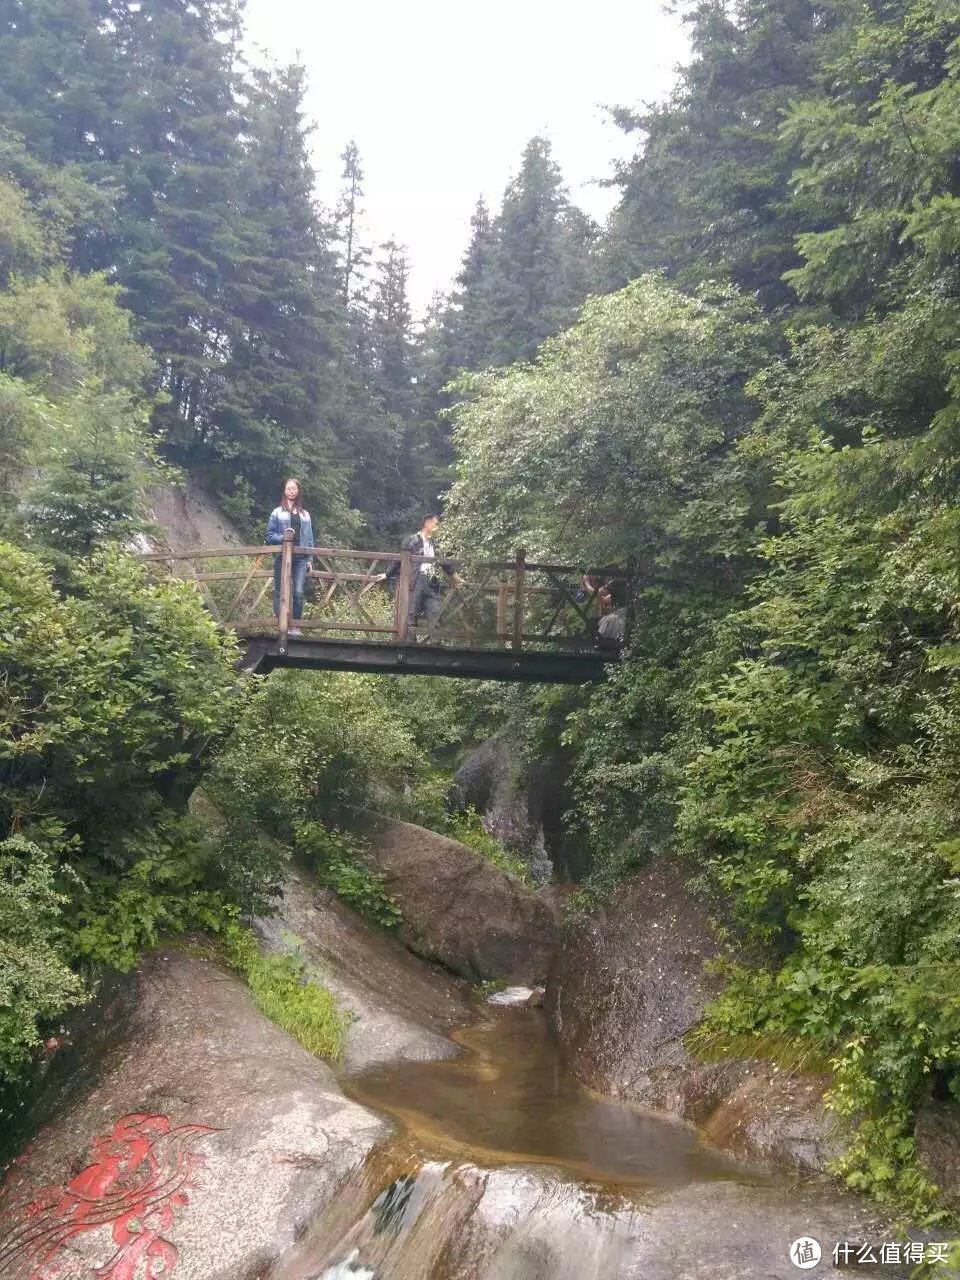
[503, 592]
[518, 599]
[630, 609]
[402, 604]
[286, 587]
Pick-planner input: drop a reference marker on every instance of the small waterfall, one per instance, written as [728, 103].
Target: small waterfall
[348, 1269]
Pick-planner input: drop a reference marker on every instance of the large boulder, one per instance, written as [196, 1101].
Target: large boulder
[630, 982]
[401, 1008]
[208, 1143]
[461, 910]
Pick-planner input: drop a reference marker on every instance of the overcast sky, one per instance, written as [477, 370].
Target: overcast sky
[442, 95]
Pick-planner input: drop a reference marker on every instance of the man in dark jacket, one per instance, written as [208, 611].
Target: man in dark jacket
[424, 577]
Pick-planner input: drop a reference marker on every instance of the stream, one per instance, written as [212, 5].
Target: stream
[504, 1168]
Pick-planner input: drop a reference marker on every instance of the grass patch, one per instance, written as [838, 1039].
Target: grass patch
[285, 993]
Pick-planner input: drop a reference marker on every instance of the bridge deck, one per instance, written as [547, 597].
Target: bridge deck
[264, 653]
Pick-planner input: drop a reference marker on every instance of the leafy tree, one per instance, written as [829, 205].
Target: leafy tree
[618, 441]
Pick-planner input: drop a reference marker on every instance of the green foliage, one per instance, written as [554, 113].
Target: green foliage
[467, 827]
[113, 686]
[619, 438]
[315, 743]
[308, 753]
[337, 858]
[35, 982]
[283, 991]
[75, 450]
[706, 196]
[525, 272]
[171, 891]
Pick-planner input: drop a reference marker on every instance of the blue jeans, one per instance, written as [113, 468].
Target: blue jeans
[300, 566]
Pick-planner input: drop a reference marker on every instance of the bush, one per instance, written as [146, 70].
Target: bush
[113, 689]
[35, 982]
[336, 857]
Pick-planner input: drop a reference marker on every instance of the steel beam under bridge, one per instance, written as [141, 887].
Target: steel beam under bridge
[265, 653]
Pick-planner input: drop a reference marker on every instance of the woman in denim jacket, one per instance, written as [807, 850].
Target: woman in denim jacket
[290, 515]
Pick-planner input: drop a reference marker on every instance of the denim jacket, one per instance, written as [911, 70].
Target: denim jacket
[279, 522]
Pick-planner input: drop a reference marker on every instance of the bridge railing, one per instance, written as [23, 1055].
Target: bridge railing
[507, 604]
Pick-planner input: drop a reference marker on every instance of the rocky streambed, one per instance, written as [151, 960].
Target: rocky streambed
[452, 1142]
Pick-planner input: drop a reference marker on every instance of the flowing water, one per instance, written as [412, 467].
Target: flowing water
[507, 1100]
[505, 1169]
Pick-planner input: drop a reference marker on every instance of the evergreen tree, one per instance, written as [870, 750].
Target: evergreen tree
[348, 219]
[383, 479]
[59, 77]
[466, 324]
[707, 196]
[540, 245]
[524, 275]
[177, 153]
[390, 330]
[286, 326]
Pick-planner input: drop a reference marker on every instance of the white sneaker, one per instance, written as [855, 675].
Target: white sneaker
[293, 632]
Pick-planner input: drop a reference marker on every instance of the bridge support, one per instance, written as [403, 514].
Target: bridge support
[265, 654]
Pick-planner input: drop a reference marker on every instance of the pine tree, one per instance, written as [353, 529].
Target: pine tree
[286, 326]
[177, 153]
[708, 194]
[390, 329]
[59, 77]
[524, 274]
[466, 326]
[348, 219]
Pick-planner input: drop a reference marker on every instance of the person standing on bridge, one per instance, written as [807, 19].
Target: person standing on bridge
[290, 515]
[424, 578]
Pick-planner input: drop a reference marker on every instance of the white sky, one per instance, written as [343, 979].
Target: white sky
[442, 95]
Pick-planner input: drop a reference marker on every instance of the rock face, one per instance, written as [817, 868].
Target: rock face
[522, 803]
[628, 985]
[209, 1142]
[401, 1007]
[462, 911]
[938, 1145]
[188, 516]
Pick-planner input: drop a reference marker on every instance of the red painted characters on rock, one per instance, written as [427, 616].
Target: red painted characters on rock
[137, 1178]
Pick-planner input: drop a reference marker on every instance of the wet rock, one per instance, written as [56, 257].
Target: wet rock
[938, 1145]
[629, 983]
[208, 1143]
[401, 1007]
[513, 996]
[461, 910]
[403, 1218]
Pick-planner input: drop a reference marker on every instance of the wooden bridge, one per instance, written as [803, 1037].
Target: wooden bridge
[499, 620]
